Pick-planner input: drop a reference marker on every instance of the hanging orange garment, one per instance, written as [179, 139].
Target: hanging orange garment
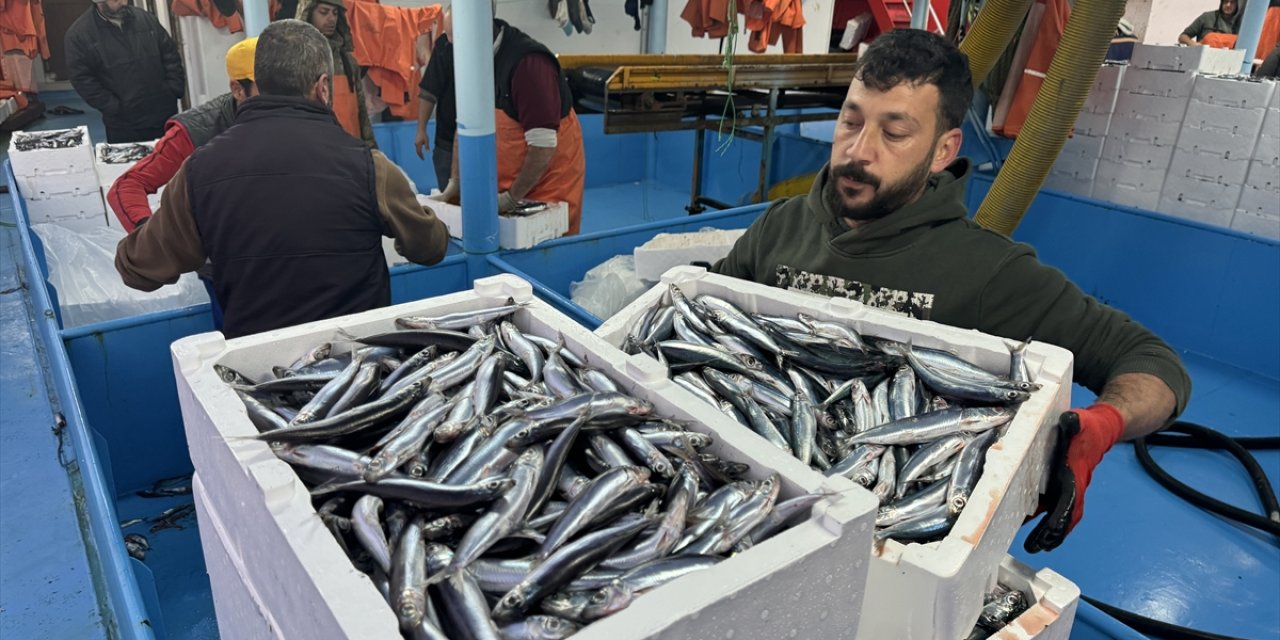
[205, 9]
[708, 18]
[22, 28]
[385, 43]
[769, 20]
[1052, 26]
[566, 176]
[1270, 33]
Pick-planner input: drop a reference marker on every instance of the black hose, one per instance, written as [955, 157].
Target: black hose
[1155, 628]
[1269, 523]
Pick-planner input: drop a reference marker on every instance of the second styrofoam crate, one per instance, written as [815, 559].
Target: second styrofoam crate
[109, 172]
[933, 590]
[236, 605]
[1236, 93]
[1264, 176]
[280, 539]
[514, 232]
[1158, 82]
[1261, 202]
[1199, 200]
[1072, 173]
[74, 211]
[56, 186]
[1053, 600]
[667, 250]
[1266, 225]
[1207, 60]
[77, 158]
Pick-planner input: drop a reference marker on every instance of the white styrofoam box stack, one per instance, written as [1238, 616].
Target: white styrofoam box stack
[108, 172]
[667, 250]
[1053, 601]
[58, 185]
[1258, 211]
[933, 590]
[1076, 166]
[810, 576]
[514, 232]
[1095, 115]
[1205, 60]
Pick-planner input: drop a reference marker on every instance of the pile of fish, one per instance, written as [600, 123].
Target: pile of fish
[912, 425]
[58, 139]
[1000, 607]
[492, 484]
[124, 153]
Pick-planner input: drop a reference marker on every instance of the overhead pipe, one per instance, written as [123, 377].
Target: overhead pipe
[477, 133]
[1255, 15]
[920, 13]
[1053, 114]
[991, 33]
[256, 17]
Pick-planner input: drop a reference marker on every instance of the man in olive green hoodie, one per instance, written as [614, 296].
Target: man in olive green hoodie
[885, 224]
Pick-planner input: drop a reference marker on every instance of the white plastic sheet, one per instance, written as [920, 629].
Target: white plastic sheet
[82, 269]
[609, 287]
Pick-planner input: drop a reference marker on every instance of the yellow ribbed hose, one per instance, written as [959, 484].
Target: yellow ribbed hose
[1075, 66]
[991, 33]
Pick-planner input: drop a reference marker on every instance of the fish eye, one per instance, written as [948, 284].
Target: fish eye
[599, 597]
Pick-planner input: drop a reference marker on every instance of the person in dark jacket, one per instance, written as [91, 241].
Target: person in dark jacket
[289, 208]
[885, 224]
[436, 96]
[124, 64]
[1226, 20]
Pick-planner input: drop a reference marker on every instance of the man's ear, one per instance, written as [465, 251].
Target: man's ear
[322, 90]
[947, 149]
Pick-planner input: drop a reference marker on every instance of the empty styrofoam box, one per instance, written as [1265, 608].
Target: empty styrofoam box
[1200, 200]
[514, 232]
[1148, 107]
[1155, 82]
[918, 591]
[1267, 150]
[73, 159]
[1137, 152]
[1092, 124]
[1266, 225]
[280, 540]
[1053, 600]
[54, 186]
[1075, 165]
[85, 207]
[1263, 176]
[1129, 185]
[1207, 165]
[1262, 202]
[1074, 183]
[239, 612]
[1083, 146]
[1237, 93]
[667, 250]
[1207, 60]
[1102, 95]
[1271, 121]
[109, 172]
[855, 30]
[1225, 120]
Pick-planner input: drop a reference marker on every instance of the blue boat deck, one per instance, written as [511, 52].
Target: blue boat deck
[1139, 548]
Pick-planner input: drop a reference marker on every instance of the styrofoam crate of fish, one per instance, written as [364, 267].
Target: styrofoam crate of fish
[667, 250]
[931, 590]
[112, 160]
[1052, 598]
[71, 152]
[514, 232]
[800, 578]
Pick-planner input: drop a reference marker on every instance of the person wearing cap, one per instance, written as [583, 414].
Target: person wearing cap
[289, 208]
[125, 65]
[183, 134]
[330, 17]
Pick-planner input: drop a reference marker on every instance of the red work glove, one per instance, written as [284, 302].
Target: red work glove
[1084, 436]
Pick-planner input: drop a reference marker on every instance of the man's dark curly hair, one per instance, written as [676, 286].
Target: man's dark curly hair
[915, 57]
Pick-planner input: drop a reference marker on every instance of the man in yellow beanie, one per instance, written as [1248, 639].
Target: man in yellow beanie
[183, 133]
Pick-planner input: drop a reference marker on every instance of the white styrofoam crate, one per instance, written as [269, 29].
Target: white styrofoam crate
[513, 232]
[1200, 200]
[56, 186]
[109, 172]
[76, 159]
[1224, 120]
[1129, 185]
[69, 211]
[1077, 184]
[1083, 146]
[1263, 176]
[1208, 165]
[1092, 124]
[817, 568]
[1156, 82]
[1260, 202]
[1237, 93]
[1053, 600]
[1266, 225]
[1102, 95]
[918, 591]
[1207, 60]
[1271, 122]
[1132, 150]
[237, 605]
[1267, 150]
[667, 250]
[1159, 109]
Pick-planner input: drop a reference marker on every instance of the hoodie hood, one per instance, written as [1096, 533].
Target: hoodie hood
[941, 202]
[341, 36]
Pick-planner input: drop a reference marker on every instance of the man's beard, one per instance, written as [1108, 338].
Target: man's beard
[883, 201]
[109, 14]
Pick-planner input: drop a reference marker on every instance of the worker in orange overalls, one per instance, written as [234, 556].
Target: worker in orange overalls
[330, 17]
[1225, 21]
